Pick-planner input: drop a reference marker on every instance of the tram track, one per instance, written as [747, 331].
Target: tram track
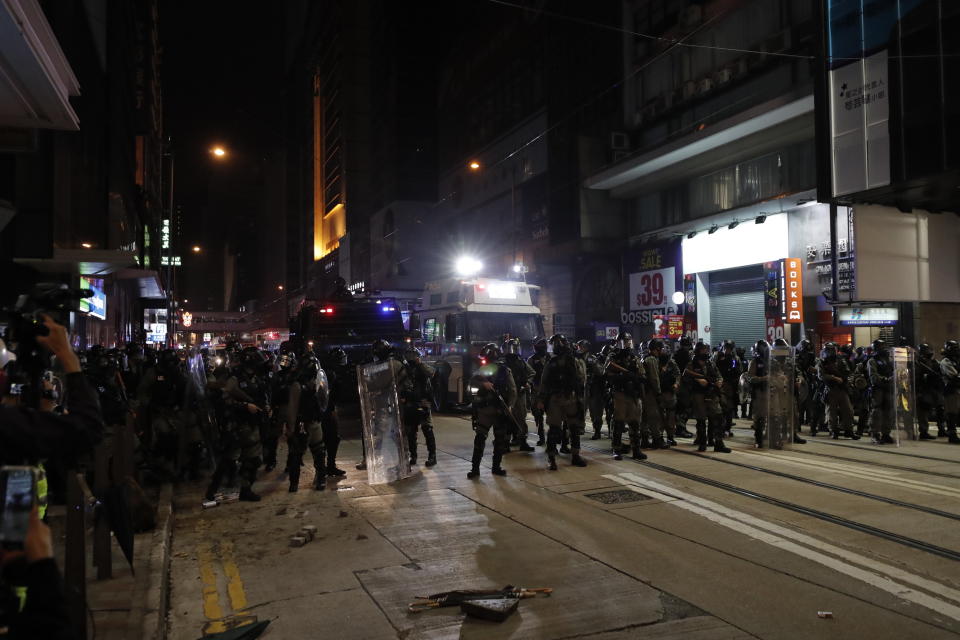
[860, 527]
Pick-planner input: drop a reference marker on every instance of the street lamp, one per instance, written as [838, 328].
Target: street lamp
[678, 297]
[474, 165]
[196, 248]
[468, 266]
[279, 287]
[219, 152]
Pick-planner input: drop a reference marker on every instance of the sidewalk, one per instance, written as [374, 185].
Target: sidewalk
[130, 604]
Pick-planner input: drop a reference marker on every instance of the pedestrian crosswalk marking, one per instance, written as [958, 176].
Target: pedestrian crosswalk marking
[815, 551]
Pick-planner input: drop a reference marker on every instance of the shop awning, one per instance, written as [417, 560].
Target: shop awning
[36, 80]
[148, 281]
[88, 262]
[762, 118]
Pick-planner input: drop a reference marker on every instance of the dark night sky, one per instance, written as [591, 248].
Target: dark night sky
[221, 74]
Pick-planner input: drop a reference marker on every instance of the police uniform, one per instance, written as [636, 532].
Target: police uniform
[305, 408]
[488, 413]
[537, 362]
[880, 376]
[929, 394]
[625, 375]
[596, 392]
[523, 377]
[669, 383]
[652, 410]
[705, 402]
[950, 370]
[561, 394]
[833, 374]
[416, 394]
[240, 433]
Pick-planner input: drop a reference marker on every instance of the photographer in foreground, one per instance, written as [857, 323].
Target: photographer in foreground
[27, 434]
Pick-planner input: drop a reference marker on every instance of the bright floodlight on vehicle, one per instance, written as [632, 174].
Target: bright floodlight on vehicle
[468, 266]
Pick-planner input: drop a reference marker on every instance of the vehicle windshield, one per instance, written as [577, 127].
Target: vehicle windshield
[490, 327]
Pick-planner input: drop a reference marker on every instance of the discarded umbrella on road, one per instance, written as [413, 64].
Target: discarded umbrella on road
[479, 602]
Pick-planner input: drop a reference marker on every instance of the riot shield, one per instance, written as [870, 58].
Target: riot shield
[781, 416]
[903, 395]
[386, 449]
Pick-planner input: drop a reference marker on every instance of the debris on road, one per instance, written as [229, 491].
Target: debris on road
[484, 610]
[209, 504]
[306, 534]
[494, 609]
[824, 614]
[343, 514]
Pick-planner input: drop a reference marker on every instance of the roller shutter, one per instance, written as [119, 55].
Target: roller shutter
[736, 306]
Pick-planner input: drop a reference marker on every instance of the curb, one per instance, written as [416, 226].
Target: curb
[151, 614]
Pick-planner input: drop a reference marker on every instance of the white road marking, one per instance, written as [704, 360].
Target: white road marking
[791, 541]
[873, 475]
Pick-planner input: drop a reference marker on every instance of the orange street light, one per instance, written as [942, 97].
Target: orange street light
[196, 248]
[86, 245]
[279, 287]
[219, 152]
[474, 165]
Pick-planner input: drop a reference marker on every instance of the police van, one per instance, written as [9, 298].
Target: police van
[457, 316]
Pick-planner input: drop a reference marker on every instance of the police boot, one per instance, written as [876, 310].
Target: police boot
[925, 433]
[247, 494]
[660, 443]
[888, 439]
[644, 442]
[850, 434]
[701, 439]
[576, 460]
[952, 437]
[541, 440]
[718, 446]
[564, 442]
[478, 446]
[596, 432]
[798, 440]
[941, 430]
[497, 470]
[637, 454]
[758, 437]
[431, 448]
[332, 469]
[320, 478]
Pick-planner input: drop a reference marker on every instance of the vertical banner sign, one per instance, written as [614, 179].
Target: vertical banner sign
[675, 327]
[793, 289]
[773, 299]
[690, 305]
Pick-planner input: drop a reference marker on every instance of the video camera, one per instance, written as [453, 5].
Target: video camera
[24, 323]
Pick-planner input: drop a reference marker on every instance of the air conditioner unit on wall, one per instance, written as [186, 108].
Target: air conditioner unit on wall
[619, 140]
[723, 76]
[705, 85]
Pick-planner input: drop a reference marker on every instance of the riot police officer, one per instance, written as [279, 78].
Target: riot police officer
[626, 378]
[594, 394]
[496, 393]
[880, 377]
[523, 376]
[282, 381]
[950, 371]
[537, 362]
[669, 384]
[682, 356]
[160, 397]
[338, 377]
[652, 396]
[704, 383]
[728, 365]
[307, 399]
[246, 400]
[415, 391]
[929, 392]
[561, 394]
[806, 362]
[833, 373]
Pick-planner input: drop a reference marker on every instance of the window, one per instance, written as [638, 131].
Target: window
[431, 330]
[455, 328]
[436, 298]
[453, 296]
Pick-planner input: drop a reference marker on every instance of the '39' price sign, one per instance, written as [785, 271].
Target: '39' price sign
[652, 289]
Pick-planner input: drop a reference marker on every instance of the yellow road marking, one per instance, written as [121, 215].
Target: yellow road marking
[208, 556]
[238, 597]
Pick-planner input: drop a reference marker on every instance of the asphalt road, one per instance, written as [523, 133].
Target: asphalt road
[686, 547]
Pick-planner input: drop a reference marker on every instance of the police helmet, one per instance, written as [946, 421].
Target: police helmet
[780, 342]
[701, 350]
[728, 344]
[559, 343]
[252, 358]
[829, 351]
[925, 350]
[760, 348]
[847, 349]
[653, 344]
[411, 353]
[511, 345]
[879, 347]
[381, 348]
[338, 356]
[286, 361]
[490, 352]
[624, 340]
[686, 342]
[582, 346]
[805, 345]
[951, 348]
[606, 350]
[540, 345]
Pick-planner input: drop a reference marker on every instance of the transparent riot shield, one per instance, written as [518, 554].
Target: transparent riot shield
[386, 449]
[781, 416]
[903, 395]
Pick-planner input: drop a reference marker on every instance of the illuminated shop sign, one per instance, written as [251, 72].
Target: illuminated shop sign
[95, 306]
